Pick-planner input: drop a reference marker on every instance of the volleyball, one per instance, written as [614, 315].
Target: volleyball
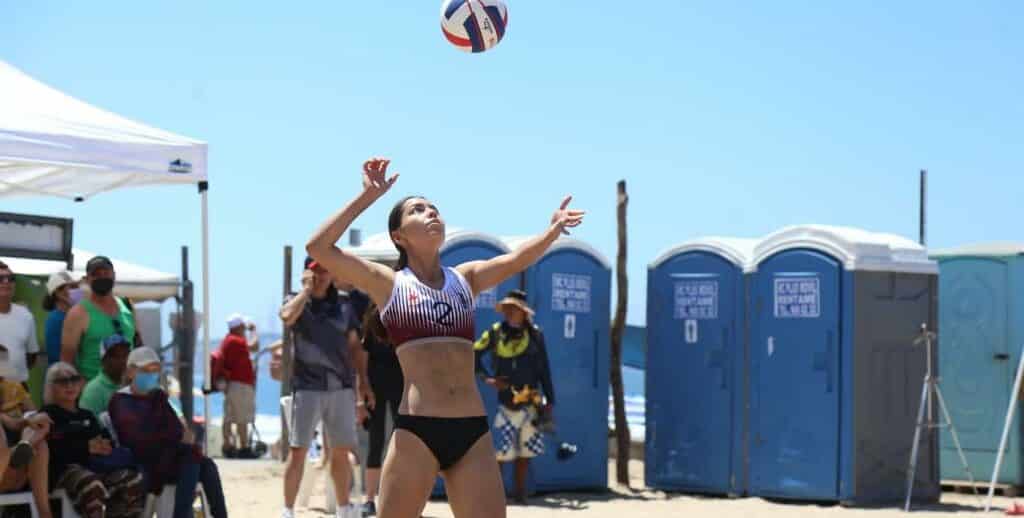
[474, 25]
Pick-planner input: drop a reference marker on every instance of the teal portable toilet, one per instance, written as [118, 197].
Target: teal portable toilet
[981, 312]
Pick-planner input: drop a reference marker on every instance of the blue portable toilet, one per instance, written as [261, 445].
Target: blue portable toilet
[835, 379]
[696, 375]
[981, 290]
[570, 288]
[462, 246]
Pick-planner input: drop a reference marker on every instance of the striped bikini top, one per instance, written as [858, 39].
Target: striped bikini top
[417, 311]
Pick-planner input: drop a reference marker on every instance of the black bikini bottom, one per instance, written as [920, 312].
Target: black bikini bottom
[448, 438]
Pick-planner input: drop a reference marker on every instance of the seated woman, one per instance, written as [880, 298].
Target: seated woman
[155, 432]
[99, 479]
[24, 456]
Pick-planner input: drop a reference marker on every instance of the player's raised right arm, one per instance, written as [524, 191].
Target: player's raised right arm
[374, 279]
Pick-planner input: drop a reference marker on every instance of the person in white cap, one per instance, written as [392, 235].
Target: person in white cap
[17, 329]
[154, 430]
[240, 390]
[62, 293]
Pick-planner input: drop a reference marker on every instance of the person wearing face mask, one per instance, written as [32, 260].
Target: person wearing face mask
[155, 431]
[62, 293]
[98, 316]
[519, 367]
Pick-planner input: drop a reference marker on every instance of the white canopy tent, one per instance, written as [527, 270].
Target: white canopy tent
[52, 144]
[139, 283]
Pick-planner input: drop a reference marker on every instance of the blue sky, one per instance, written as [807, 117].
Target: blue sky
[723, 119]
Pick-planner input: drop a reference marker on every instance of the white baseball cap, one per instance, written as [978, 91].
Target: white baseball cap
[235, 320]
[57, 280]
[142, 356]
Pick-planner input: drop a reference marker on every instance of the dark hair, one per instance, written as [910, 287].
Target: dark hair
[3, 266]
[49, 302]
[371, 321]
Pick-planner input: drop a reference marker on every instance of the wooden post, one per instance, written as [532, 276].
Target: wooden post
[185, 356]
[923, 206]
[618, 327]
[286, 352]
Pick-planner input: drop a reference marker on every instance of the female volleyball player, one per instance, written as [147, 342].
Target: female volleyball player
[427, 313]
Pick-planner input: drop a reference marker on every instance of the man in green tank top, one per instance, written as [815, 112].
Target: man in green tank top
[94, 319]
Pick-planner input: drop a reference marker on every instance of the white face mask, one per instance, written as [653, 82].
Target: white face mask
[75, 295]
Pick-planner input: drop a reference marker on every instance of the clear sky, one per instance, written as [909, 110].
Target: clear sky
[723, 119]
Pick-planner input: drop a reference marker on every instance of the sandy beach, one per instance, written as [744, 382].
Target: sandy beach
[253, 489]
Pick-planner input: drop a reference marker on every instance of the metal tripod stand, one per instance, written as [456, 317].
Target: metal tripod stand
[929, 389]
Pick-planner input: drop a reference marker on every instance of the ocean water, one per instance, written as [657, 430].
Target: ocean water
[268, 397]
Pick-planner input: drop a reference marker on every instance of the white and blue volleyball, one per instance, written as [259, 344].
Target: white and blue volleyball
[474, 25]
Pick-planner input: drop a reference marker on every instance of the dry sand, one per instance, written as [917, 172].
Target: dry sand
[253, 489]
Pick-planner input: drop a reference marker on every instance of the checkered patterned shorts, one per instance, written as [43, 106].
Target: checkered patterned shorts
[516, 435]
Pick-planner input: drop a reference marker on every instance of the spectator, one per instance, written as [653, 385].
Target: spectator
[158, 437]
[239, 391]
[97, 393]
[62, 293]
[519, 368]
[99, 316]
[326, 365]
[17, 329]
[99, 479]
[27, 463]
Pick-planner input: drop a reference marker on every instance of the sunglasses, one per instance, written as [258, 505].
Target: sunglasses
[68, 380]
[6, 278]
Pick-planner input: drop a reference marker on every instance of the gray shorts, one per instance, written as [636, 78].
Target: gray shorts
[239, 403]
[335, 409]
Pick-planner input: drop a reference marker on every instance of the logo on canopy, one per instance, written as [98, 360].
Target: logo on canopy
[180, 166]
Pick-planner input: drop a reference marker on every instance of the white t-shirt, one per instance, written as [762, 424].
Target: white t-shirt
[18, 334]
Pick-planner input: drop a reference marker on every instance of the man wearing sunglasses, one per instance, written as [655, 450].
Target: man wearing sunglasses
[97, 317]
[17, 329]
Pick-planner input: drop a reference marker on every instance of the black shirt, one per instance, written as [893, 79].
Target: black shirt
[69, 437]
[382, 368]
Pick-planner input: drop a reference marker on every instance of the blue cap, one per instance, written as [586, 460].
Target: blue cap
[110, 342]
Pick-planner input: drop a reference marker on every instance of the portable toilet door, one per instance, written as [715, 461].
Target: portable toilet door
[569, 288]
[981, 334]
[460, 247]
[834, 380]
[695, 377]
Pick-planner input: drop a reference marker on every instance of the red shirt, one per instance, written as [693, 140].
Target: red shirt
[237, 364]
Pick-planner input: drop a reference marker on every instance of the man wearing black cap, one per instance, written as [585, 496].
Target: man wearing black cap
[96, 318]
[327, 371]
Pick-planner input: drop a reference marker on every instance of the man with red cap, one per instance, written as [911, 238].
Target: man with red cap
[327, 373]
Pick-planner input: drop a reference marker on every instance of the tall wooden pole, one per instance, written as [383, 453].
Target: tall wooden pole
[618, 328]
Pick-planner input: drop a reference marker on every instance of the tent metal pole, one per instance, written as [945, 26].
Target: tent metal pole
[203, 190]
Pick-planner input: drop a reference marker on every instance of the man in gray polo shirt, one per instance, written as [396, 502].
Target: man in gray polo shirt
[328, 370]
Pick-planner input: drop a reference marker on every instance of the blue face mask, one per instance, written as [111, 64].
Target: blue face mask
[146, 382]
